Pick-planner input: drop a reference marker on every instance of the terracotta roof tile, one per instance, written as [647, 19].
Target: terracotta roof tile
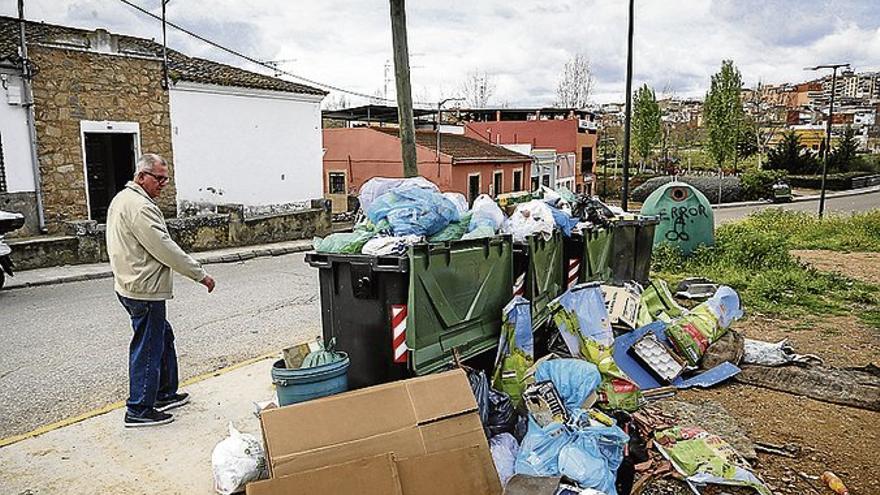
[461, 148]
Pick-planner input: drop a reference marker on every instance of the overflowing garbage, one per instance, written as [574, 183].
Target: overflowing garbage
[585, 345]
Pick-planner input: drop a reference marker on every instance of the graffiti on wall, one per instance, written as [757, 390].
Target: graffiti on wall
[681, 218]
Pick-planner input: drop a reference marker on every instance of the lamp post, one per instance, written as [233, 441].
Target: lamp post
[834, 68]
[439, 110]
[626, 128]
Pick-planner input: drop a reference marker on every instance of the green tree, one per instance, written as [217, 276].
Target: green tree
[790, 155]
[723, 113]
[646, 130]
[843, 157]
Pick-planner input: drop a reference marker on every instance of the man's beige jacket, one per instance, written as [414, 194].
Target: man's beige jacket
[141, 252]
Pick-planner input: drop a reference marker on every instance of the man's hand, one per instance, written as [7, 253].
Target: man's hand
[208, 282]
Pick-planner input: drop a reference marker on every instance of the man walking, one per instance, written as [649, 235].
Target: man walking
[142, 257]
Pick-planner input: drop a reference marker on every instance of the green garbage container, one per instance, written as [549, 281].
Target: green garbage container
[685, 215]
[538, 273]
[620, 252]
[396, 316]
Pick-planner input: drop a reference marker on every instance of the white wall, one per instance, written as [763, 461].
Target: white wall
[14, 132]
[253, 147]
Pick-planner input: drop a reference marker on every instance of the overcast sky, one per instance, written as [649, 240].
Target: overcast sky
[678, 44]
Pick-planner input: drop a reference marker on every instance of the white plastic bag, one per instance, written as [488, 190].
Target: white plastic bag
[486, 213]
[504, 448]
[530, 218]
[458, 200]
[237, 460]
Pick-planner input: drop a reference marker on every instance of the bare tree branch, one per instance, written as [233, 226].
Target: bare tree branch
[477, 88]
[575, 83]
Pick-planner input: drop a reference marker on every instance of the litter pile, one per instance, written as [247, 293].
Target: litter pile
[587, 344]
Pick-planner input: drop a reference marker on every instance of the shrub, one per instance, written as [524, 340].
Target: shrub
[758, 184]
[731, 188]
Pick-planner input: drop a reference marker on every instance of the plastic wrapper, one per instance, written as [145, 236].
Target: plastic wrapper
[532, 217]
[479, 233]
[694, 332]
[454, 231]
[412, 210]
[389, 245]
[504, 448]
[323, 355]
[237, 460]
[580, 313]
[778, 354]
[704, 458]
[343, 242]
[574, 379]
[592, 457]
[539, 452]
[657, 303]
[486, 213]
[378, 186]
[516, 349]
[564, 221]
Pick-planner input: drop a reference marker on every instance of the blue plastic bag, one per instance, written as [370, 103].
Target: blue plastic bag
[580, 313]
[413, 211]
[539, 452]
[574, 379]
[592, 457]
[564, 221]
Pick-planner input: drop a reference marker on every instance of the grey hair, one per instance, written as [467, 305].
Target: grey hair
[146, 163]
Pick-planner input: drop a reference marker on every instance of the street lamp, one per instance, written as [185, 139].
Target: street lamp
[626, 128]
[439, 110]
[834, 68]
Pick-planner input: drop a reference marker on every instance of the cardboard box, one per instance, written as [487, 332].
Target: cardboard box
[369, 476]
[434, 414]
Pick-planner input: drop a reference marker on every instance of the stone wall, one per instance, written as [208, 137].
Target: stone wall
[84, 240]
[26, 204]
[72, 86]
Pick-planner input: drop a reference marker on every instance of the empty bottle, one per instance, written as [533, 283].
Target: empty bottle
[834, 483]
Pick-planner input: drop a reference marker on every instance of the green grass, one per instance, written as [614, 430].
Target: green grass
[752, 256]
[857, 232]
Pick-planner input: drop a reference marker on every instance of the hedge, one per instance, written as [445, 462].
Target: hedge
[731, 188]
[834, 182]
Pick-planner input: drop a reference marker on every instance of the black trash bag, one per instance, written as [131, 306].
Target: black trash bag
[636, 453]
[502, 418]
[480, 388]
[522, 426]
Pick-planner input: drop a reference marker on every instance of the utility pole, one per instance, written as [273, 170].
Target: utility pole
[404, 92]
[834, 68]
[27, 76]
[165, 82]
[629, 68]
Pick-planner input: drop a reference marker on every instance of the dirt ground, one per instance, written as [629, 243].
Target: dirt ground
[841, 439]
[860, 266]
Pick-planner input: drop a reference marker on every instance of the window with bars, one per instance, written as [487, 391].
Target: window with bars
[2, 168]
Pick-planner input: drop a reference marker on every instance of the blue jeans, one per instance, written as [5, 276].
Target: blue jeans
[152, 360]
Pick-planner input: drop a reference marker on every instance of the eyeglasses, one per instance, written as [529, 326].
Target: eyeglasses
[161, 179]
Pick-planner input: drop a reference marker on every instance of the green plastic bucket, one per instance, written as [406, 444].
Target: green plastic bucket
[300, 385]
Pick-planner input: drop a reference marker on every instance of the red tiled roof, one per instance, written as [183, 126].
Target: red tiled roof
[461, 148]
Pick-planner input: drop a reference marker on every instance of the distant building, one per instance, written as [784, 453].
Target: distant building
[465, 165]
[564, 141]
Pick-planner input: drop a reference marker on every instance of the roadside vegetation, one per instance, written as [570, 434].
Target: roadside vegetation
[753, 256]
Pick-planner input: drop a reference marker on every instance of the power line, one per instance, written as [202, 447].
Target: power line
[260, 62]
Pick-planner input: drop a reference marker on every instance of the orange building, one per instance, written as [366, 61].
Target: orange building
[468, 166]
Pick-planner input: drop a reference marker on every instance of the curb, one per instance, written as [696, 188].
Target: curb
[4, 442]
[765, 202]
[205, 260]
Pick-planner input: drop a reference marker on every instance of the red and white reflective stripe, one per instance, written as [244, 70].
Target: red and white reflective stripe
[519, 287]
[574, 267]
[398, 332]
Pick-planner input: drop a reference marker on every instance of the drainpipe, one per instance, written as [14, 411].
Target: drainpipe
[26, 76]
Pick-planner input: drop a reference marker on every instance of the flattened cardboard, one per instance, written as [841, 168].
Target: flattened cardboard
[409, 418]
[467, 471]
[368, 476]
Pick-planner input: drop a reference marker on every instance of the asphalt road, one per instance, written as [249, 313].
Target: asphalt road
[847, 204]
[65, 347]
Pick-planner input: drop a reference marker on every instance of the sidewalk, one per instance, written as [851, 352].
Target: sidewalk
[78, 273]
[798, 199]
[99, 455]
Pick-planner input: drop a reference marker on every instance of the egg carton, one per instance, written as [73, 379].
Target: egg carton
[658, 358]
